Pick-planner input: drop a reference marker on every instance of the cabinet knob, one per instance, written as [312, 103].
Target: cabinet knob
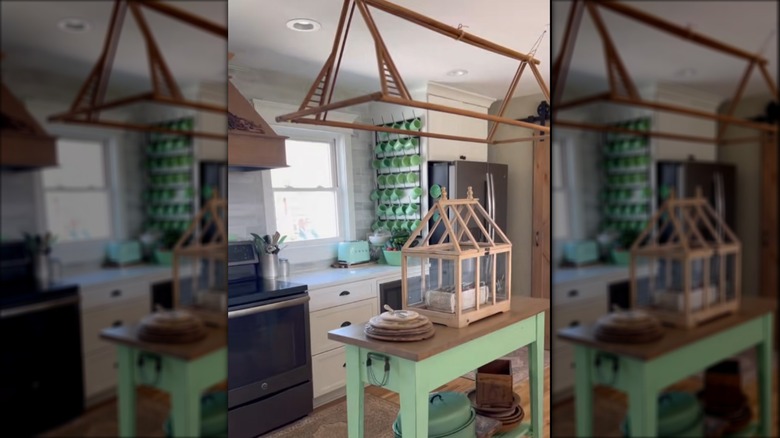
[117, 323]
[536, 238]
[344, 366]
[346, 324]
[344, 293]
[574, 323]
[573, 293]
[116, 292]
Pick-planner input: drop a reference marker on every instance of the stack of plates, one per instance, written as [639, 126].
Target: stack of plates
[509, 416]
[629, 327]
[729, 404]
[399, 326]
[172, 327]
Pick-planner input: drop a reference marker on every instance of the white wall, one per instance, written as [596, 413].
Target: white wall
[519, 159]
[747, 158]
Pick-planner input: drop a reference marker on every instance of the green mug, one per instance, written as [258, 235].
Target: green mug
[416, 160]
[400, 210]
[376, 164]
[412, 209]
[390, 180]
[387, 163]
[398, 162]
[374, 195]
[412, 178]
[414, 124]
[379, 149]
[416, 193]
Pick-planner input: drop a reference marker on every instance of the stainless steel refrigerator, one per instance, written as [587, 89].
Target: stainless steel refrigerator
[488, 181]
[716, 180]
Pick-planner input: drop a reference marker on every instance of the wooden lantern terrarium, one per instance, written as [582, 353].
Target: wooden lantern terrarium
[694, 260]
[466, 273]
[204, 247]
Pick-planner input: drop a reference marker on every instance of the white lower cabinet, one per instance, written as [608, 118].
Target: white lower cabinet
[108, 305]
[323, 321]
[100, 372]
[329, 371]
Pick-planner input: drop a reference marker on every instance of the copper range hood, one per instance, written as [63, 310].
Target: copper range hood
[25, 145]
[252, 144]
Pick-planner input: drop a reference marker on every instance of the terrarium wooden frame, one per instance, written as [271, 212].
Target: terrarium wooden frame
[90, 100]
[318, 101]
[214, 250]
[618, 77]
[687, 243]
[455, 215]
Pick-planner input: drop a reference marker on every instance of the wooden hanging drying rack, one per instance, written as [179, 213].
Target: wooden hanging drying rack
[90, 100]
[618, 76]
[315, 106]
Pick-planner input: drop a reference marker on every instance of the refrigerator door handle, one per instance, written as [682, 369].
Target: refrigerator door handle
[720, 202]
[493, 205]
[489, 201]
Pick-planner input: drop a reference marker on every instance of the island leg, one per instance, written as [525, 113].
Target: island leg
[414, 401]
[583, 391]
[536, 375]
[185, 399]
[355, 393]
[126, 391]
[642, 401]
[764, 358]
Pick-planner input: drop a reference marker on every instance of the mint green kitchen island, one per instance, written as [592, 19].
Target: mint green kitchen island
[642, 371]
[185, 371]
[418, 368]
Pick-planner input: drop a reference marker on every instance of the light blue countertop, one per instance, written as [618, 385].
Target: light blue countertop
[110, 275]
[333, 276]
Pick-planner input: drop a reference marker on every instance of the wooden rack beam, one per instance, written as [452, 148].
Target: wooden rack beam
[614, 65]
[89, 101]
[393, 91]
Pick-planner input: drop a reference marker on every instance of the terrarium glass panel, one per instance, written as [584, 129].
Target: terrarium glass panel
[438, 292]
[203, 283]
[503, 270]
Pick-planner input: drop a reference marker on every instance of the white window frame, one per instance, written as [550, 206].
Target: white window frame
[560, 151]
[88, 251]
[309, 251]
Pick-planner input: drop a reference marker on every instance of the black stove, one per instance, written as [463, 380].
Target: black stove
[260, 290]
[269, 348]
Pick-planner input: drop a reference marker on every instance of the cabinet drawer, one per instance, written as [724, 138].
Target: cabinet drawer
[329, 319]
[585, 312]
[574, 293]
[126, 312]
[100, 372]
[329, 371]
[113, 293]
[341, 294]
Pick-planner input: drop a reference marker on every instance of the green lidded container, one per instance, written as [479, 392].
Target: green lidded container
[450, 415]
[679, 415]
[213, 416]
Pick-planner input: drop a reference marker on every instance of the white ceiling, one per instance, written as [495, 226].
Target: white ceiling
[31, 40]
[651, 55]
[260, 40]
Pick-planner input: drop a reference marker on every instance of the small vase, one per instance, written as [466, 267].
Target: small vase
[269, 264]
[42, 270]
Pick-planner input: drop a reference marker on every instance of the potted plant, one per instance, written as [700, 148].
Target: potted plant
[39, 246]
[392, 251]
[268, 248]
[621, 253]
[163, 255]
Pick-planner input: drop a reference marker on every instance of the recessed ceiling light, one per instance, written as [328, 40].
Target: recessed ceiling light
[458, 72]
[686, 73]
[74, 25]
[303, 25]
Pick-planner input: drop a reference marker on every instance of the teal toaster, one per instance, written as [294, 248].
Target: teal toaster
[352, 252]
[581, 252]
[124, 253]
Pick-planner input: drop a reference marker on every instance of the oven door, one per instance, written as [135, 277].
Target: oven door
[269, 349]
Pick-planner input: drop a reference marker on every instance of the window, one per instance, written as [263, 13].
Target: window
[76, 194]
[306, 193]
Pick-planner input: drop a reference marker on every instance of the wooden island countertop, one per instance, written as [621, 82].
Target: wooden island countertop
[215, 339]
[445, 337]
[674, 338]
